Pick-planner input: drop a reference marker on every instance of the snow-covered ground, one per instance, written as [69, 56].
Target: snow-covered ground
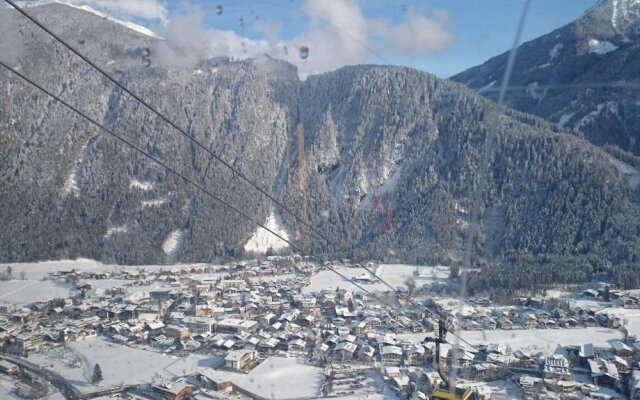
[555, 50]
[142, 185]
[34, 288]
[135, 27]
[119, 363]
[37, 270]
[262, 240]
[535, 92]
[282, 378]
[153, 203]
[600, 46]
[172, 242]
[274, 278]
[6, 388]
[28, 291]
[545, 340]
[115, 229]
[610, 108]
[394, 274]
[564, 118]
[487, 86]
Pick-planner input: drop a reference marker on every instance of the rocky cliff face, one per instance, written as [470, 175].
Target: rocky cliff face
[380, 159]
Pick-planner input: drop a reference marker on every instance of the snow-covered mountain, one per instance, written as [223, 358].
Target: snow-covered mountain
[133, 26]
[379, 158]
[584, 76]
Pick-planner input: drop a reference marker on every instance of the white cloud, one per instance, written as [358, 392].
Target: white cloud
[337, 34]
[269, 28]
[418, 34]
[145, 9]
[189, 41]
[340, 34]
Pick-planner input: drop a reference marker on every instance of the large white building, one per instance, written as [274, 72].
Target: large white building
[234, 325]
[198, 324]
[239, 360]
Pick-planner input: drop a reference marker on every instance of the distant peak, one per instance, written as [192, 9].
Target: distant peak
[133, 26]
[624, 16]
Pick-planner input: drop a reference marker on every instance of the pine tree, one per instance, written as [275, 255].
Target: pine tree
[97, 375]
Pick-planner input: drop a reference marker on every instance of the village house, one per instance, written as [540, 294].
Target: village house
[198, 324]
[233, 325]
[557, 367]
[529, 321]
[344, 351]
[604, 372]
[505, 323]
[621, 349]
[172, 390]
[240, 360]
[391, 355]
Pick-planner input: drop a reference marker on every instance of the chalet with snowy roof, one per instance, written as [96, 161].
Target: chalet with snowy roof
[529, 321]
[588, 321]
[604, 372]
[344, 351]
[391, 355]
[172, 390]
[621, 349]
[241, 360]
[586, 352]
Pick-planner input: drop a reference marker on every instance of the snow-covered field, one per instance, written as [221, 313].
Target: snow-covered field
[23, 292]
[118, 363]
[282, 378]
[37, 270]
[545, 340]
[262, 240]
[6, 387]
[274, 278]
[394, 274]
[601, 46]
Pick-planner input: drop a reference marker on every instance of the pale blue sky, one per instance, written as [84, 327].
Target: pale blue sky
[480, 28]
[438, 36]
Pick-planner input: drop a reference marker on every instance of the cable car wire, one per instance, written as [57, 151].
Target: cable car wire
[211, 153]
[191, 182]
[182, 131]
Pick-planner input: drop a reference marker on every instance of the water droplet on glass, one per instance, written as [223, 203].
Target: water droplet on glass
[146, 62]
[304, 52]
[241, 22]
[146, 52]
[219, 9]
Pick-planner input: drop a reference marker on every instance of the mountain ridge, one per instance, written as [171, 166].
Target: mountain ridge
[378, 158]
[583, 76]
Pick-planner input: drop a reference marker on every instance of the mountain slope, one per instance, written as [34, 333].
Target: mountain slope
[584, 76]
[380, 159]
